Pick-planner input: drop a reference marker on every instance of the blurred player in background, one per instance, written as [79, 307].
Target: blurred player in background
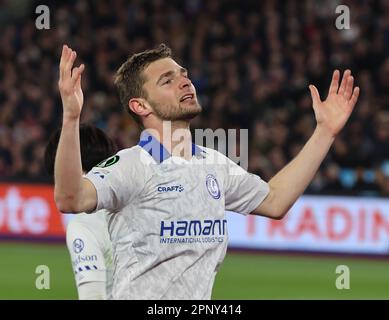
[87, 235]
[166, 191]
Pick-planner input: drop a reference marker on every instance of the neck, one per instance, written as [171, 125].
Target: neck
[175, 136]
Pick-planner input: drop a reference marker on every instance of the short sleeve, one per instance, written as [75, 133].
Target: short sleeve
[117, 180]
[244, 191]
[86, 254]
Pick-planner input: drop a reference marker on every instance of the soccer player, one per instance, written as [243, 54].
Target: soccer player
[168, 195]
[87, 235]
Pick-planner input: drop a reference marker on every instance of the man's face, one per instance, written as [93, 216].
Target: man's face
[169, 91]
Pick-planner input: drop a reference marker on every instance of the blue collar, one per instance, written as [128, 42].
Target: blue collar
[150, 144]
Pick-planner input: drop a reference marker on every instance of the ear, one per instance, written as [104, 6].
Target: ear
[139, 106]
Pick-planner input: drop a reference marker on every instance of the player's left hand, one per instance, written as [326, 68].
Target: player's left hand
[333, 113]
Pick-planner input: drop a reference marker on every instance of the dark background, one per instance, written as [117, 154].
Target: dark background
[251, 62]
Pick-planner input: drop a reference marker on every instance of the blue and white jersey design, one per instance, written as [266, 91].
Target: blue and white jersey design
[167, 223]
[90, 249]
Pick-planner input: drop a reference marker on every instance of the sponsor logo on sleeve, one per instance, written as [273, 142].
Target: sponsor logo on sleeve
[85, 263]
[109, 162]
[78, 245]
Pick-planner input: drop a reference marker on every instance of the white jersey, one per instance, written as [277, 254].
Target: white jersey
[90, 249]
[167, 224]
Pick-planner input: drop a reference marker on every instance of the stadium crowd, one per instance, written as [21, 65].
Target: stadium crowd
[251, 62]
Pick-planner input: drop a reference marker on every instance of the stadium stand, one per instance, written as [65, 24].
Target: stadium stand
[251, 63]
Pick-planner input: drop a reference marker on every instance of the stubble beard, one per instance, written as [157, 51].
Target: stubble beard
[176, 113]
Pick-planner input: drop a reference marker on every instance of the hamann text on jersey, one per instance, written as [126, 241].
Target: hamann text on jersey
[167, 217]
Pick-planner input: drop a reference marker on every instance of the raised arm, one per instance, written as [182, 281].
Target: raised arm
[72, 192]
[331, 115]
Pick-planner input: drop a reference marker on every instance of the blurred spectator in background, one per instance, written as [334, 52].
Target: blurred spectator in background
[251, 62]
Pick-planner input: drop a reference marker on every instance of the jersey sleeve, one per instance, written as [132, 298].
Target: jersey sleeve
[117, 180]
[92, 291]
[244, 191]
[86, 254]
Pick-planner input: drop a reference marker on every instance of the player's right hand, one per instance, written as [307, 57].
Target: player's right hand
[70, 84]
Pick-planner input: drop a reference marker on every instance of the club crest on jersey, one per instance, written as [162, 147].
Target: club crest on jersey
[78, 245]
[108, 162]
[212, 186]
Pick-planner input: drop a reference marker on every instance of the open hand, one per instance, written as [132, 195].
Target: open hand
[333, 113]
[70, 84]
